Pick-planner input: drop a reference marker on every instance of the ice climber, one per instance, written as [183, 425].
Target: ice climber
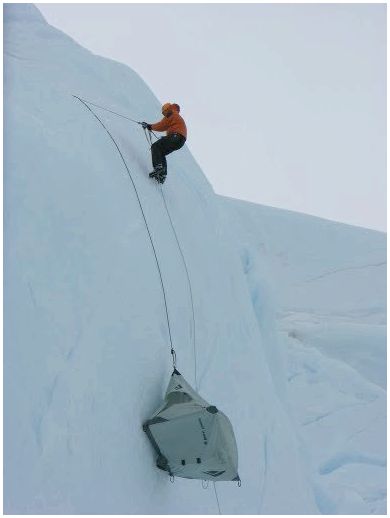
[173, 123]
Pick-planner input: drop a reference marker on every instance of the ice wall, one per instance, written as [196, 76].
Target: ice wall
[86, 350]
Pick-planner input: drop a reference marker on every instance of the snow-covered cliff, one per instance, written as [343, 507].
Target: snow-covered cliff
[325, 284]
[86, 353]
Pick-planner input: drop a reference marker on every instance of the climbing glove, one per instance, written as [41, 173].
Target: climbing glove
[145, 125]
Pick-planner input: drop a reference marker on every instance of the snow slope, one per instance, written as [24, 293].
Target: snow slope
[327, 282]
[278, 300]
[86, 355]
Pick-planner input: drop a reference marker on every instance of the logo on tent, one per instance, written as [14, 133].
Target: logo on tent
[178, 387]
[214, 473]
[203, 431]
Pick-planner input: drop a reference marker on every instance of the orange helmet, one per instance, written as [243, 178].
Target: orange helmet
[166, 107]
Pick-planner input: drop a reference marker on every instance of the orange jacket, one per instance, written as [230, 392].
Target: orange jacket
[174, 123]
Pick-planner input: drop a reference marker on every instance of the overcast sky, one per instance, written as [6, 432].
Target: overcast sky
[285, 103]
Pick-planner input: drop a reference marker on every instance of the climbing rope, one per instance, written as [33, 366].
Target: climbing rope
[149, 140]
[106, 109]
[111, 111]
[85, 103]
[216, 497]
[189, 286]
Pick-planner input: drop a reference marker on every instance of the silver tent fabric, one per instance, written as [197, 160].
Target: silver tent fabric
[192, 438]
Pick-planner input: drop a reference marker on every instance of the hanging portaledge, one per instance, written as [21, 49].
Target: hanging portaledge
[192, 438]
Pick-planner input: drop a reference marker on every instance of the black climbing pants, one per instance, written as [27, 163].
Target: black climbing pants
[165, 145]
